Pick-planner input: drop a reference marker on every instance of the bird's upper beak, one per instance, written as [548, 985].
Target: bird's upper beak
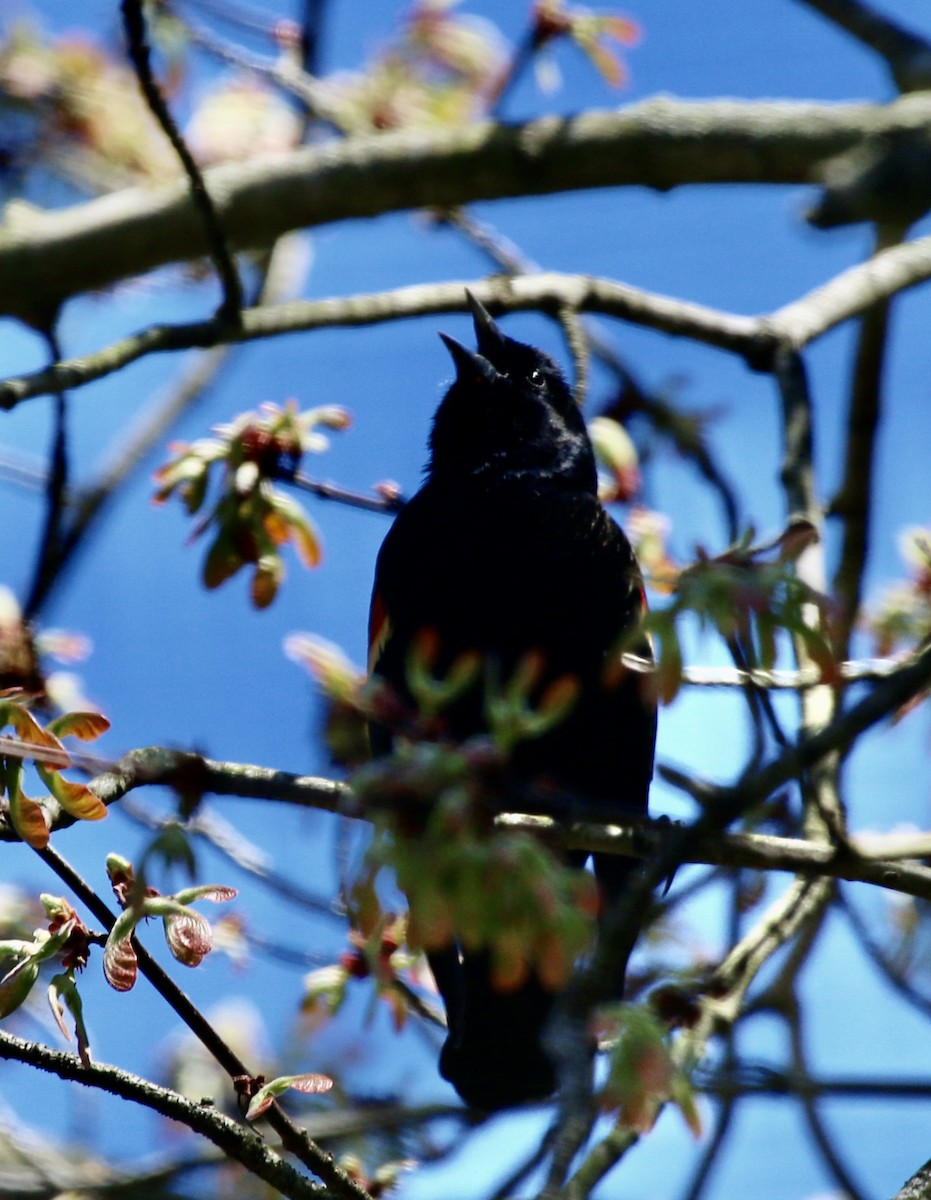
[470, 367]
[488, 336]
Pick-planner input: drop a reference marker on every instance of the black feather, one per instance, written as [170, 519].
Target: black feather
[506, 549]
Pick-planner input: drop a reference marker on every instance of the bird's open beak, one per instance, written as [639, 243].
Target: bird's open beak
[488, 336]
[470, 367]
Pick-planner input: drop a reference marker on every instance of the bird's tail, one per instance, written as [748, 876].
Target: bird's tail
[494, 1054]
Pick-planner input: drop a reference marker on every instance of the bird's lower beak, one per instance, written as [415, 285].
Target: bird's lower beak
[470, 367]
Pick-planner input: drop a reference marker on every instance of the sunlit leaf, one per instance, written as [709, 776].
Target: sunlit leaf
[266, 1095]
[269, 573]
[189, 937]
[75, 798]
[218, 893]
[84, 725]
[120, 965]
[16, 984]
[28, 728]
[28, 820]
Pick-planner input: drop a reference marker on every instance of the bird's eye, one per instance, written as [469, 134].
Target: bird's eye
[537, 378]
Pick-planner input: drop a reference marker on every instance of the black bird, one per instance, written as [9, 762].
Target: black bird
[505, 550]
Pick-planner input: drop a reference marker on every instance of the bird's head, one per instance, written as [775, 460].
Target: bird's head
[509, 410]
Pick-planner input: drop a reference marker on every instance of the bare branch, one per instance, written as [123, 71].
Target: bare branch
[907, 55]
[236, 1141]
[550, 292]
[294, 1139]
[851, 292]
[139, 53]
[852, 502]
[47, 257]
[759, 852]
[756, 339]
[918, 1187]
[56, 487]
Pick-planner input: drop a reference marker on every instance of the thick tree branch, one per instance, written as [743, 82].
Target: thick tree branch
[236, 1141]
[47, 257]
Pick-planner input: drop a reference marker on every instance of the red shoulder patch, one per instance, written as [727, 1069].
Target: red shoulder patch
[379, 629]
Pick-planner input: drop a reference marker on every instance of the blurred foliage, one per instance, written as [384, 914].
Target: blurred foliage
[72, 109]
[643, 1072]
[24, 655]
[43, 744]
[251, 518]
[902, 618]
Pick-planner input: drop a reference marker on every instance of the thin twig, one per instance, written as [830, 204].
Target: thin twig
[55, 494]
[139, 53]
[852, 502]
[907, 54]
[331, 491]
[824, 815]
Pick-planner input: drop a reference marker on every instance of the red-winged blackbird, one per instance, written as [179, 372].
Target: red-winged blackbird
[506, 550]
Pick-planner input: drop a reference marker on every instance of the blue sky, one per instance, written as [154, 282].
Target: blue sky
[177, 666]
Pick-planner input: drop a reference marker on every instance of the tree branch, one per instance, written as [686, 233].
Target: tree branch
[235, 1140]
[294, 1139]
[56, 489]
[48, 257]
[907, 55]
[140, 55]
[756, 339]
[918, 1187]
[852, 502]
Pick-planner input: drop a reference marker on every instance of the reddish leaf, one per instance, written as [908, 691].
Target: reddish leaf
[75, 798]
[266, 580]
[189, 937]
[120, 966]
[264, 1097]
[216, 892]
[84, 725]
[29, 729]
[312, 1084]
[29, 820]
